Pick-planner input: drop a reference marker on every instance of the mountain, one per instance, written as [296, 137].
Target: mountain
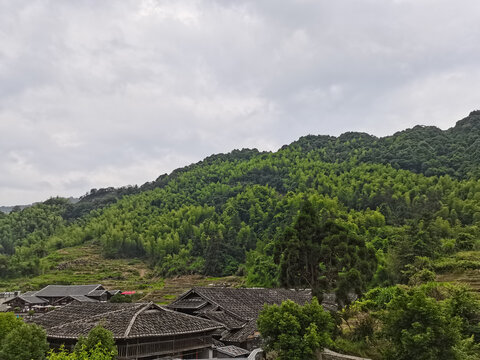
[370, 207]
[424, 149]
[8, 209]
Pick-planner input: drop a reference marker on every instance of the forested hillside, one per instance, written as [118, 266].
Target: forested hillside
[371, 211]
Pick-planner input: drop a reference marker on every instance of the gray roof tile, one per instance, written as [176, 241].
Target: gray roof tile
[233, 351]
[237, 309]
[28, 299]
[124, 320]
[66, 290]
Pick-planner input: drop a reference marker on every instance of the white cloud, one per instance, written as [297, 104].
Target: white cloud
[110, 93]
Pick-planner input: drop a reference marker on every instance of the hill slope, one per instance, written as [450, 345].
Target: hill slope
[230, 213]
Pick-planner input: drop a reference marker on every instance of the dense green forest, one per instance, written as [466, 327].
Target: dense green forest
[380, 219]
[387, 202]
[389, 210]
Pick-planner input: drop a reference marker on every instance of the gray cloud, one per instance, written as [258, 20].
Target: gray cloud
[110, 93]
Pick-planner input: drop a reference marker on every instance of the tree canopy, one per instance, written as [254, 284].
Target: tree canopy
[296, 332]
[23, 341]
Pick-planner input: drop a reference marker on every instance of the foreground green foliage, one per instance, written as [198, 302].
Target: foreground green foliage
[97, 353]
[99, 340]
[296, 332]
[20, 341]
[98, 345]
[8, 323]
[421, 328]
[431, 321]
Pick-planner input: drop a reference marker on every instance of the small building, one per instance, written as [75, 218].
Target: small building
[230, 352]
[141, 330]
[60, 295]
[26, 301]
[236, 309]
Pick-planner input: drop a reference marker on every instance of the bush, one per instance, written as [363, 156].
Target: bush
[98, 353]
[295, 332]
[97, 337]
[8, 323]
[419, 327]
[27, 341]
[364, 329]
[119, 298]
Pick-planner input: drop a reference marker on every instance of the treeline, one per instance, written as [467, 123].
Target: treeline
[215, 218]
[423, 149]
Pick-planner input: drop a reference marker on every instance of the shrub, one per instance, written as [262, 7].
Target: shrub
[295, 332]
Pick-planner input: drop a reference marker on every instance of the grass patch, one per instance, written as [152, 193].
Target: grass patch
[169, 297]
[85, 265]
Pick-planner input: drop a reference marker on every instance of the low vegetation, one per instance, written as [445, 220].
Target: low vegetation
[428, 322]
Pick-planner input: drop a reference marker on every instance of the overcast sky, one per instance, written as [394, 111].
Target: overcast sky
[109, 93]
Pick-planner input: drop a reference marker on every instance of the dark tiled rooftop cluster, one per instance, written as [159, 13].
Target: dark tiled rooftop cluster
[124, 320]
[236, 309]
[50, 294]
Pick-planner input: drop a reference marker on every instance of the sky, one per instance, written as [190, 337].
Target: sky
[110, 93]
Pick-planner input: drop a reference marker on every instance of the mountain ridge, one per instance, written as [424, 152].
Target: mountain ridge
[229, 213]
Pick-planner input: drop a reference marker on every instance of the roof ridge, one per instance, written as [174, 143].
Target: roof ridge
[186, 315]
[95, 289]
[232, 314]
[221, 307]
[91, 317]
[134, 317]
[69, 285]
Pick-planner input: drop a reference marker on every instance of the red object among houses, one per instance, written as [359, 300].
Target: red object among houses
[128, 292]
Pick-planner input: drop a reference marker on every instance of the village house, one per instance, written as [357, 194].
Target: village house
[59, 295]
[237, 310]
[141, 330]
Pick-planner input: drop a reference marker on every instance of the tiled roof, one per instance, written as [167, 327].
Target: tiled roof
[30, 299]
[82, 298]
[233, 351]
[237, 309]
[248, 330]
[33, 299]
[207, 308]
[124, 320]
[217, 343]
[97, 292]
[190, 303]
[246, 303]
[167, 322]
[230, 321]
[66, 290]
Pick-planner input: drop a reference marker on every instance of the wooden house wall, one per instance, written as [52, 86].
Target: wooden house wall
[152, 347]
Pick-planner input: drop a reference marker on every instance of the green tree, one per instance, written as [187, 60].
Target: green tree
[295, 332]
[28, 341]
[97, 353]
[8, 323]
[421, 328]
[324, 255]
[98, 336]
[119, 298]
